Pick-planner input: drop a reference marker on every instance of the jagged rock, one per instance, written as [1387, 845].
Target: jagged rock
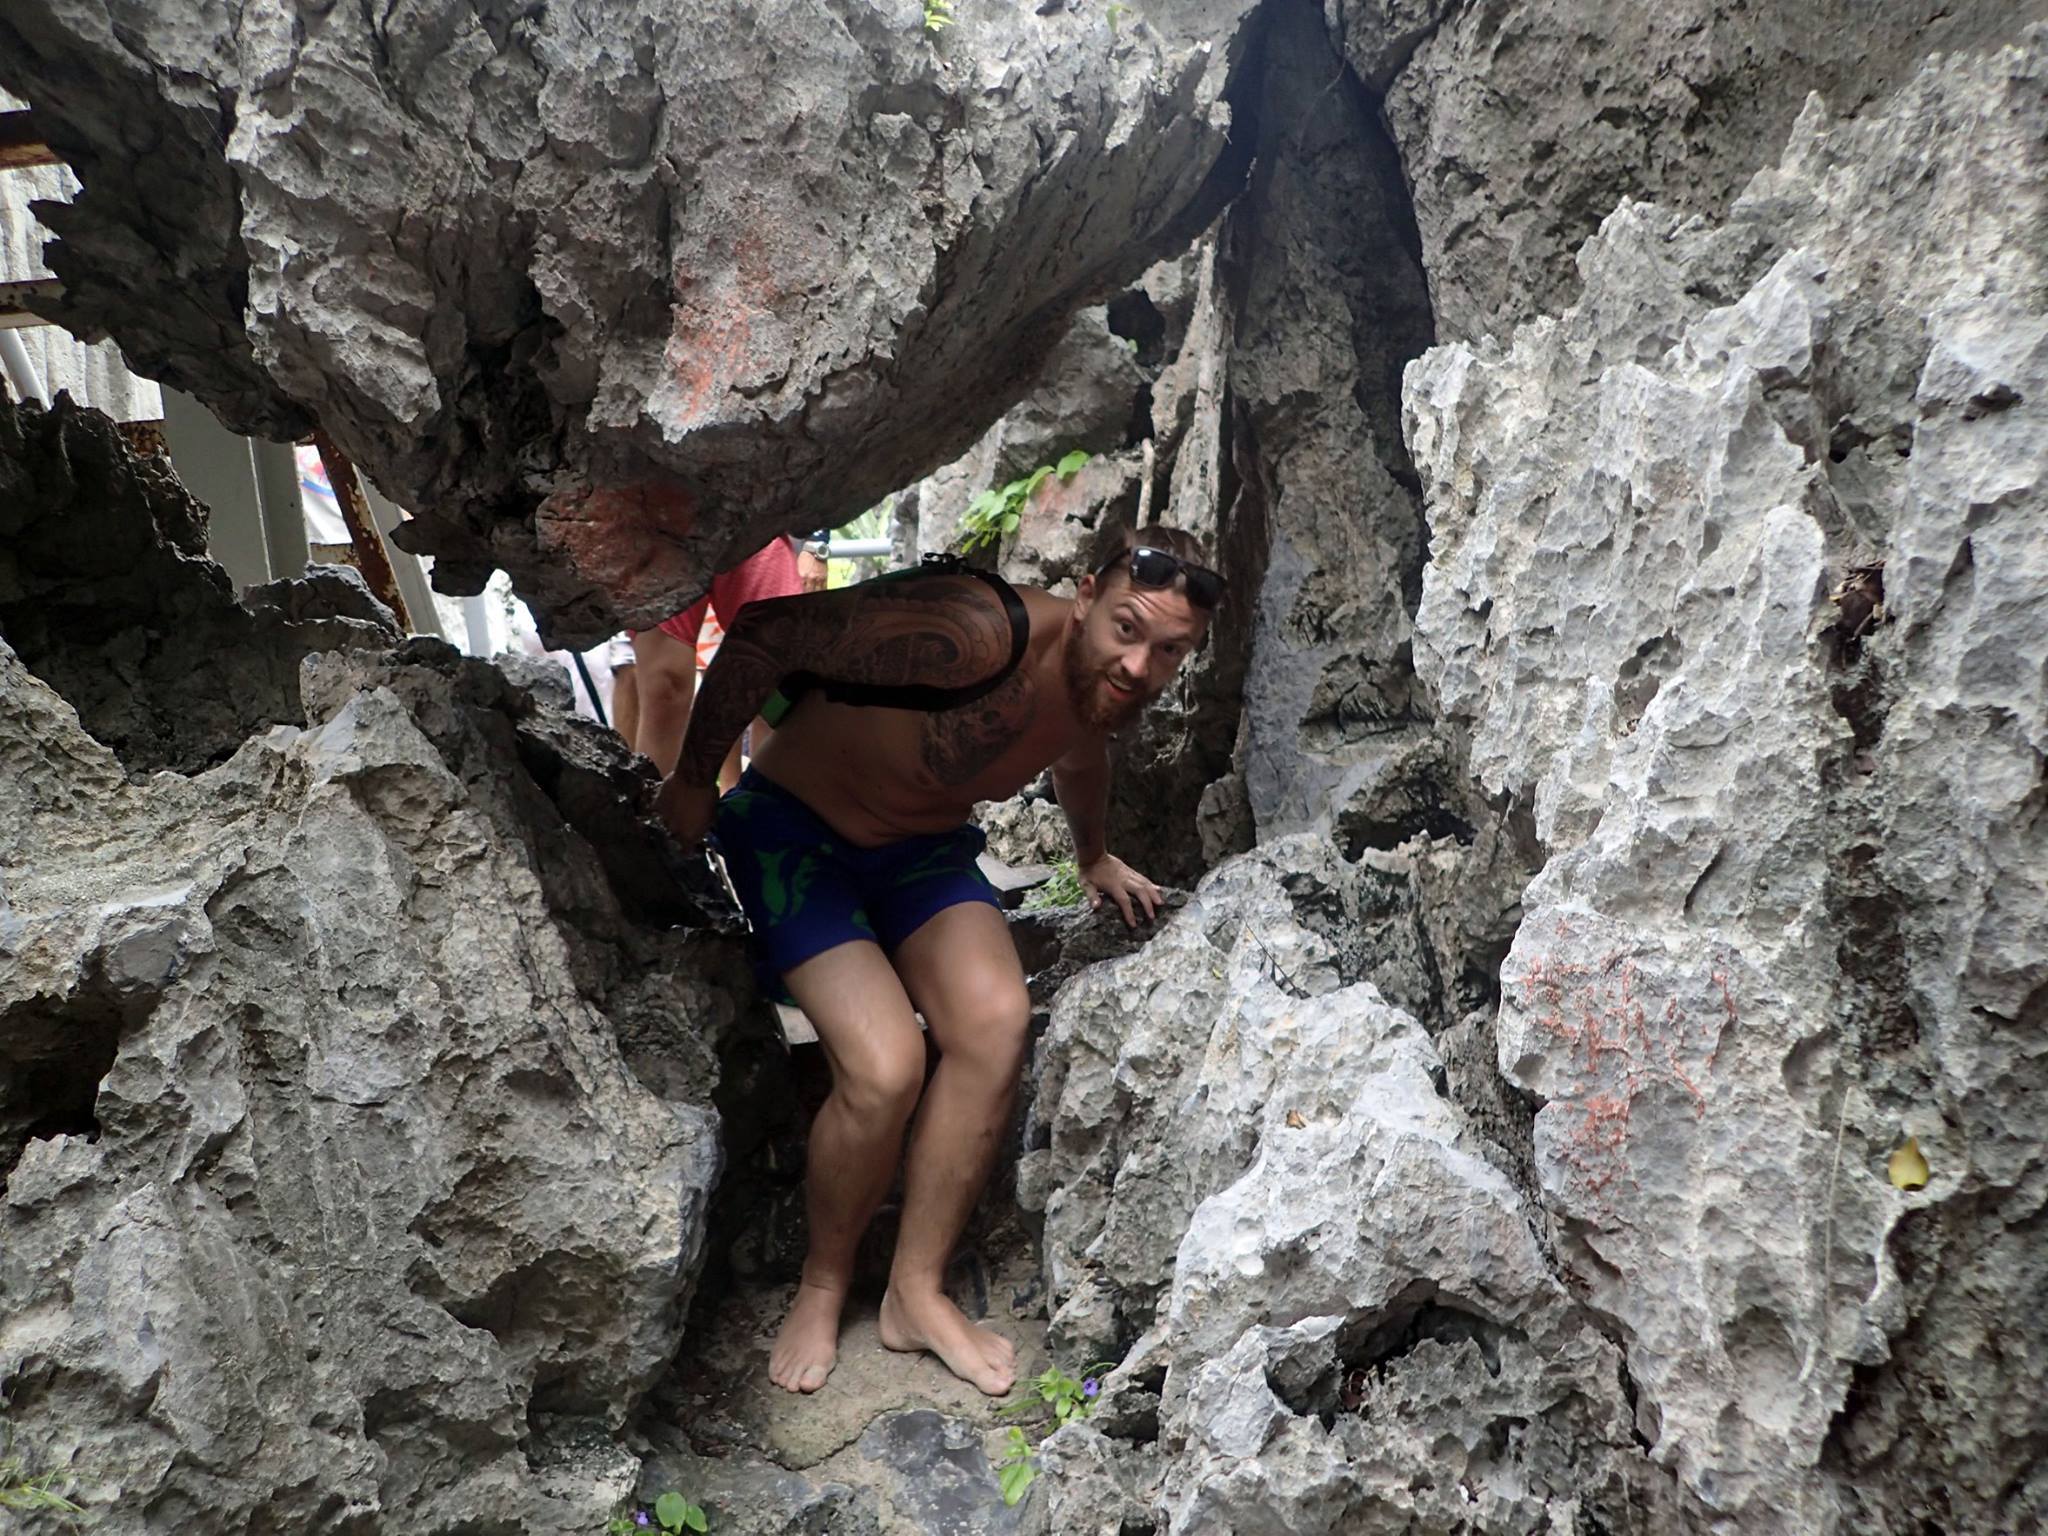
[598, 847]
[610, 292]
[1056, 944]
[941, 1480]
[1522, 124]
[1027, 829]
[1067, 519]
[1092, 1485]
[107, 595]
[1253, 1158]
[1323, 539]
[1795, 900]
[1188, 424]
[746, 1494]
[330, 1202]
[1089, 395]
[1210, 1013]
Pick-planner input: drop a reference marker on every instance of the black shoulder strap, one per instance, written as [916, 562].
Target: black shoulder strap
[922, 695]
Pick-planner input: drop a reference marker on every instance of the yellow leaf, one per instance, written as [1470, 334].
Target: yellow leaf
[1908, 1168]
[1294, 1120]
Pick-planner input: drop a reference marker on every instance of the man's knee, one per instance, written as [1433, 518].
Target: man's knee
[882, 1087]
[995, 1030]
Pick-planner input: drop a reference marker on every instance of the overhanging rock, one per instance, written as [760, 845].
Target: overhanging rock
[745, 269]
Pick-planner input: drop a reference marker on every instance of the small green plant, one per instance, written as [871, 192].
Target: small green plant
[1116, 14]
[938, 15]
[1068, 1397]
[672, 1514]
[995, 513]
[1018, 1466]
[845, 571]
[1063, 888]
[20, 1490]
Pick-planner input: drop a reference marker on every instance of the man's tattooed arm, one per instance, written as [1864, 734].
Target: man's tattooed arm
[1081, 781]
[940, 631]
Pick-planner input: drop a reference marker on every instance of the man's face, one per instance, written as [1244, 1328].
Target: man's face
[1125, 646]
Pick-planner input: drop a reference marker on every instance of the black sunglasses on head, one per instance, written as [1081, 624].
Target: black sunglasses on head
[1158, 569]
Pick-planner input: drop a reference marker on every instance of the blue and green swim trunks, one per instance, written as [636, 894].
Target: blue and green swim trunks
[806, 889]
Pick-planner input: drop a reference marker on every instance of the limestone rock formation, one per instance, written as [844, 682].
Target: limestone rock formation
[106, 593]
[1523, 123]
[1633, 709]
[1344, 1316]
[1735, 604]
[609, 292]
[354, 1137]
[1797, 895]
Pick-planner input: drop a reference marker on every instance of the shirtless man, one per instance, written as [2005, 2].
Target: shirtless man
[921, 694]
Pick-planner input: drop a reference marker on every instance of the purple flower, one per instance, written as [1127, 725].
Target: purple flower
[1090, 1387]
[640, 1518]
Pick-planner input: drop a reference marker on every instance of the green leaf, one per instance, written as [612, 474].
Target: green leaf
[693, 1517]
[671, 1509]
[1071, 462]
[1035, 479]
[1014, 1479]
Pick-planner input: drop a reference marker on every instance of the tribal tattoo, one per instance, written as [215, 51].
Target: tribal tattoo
[961, 743]
[942, 631]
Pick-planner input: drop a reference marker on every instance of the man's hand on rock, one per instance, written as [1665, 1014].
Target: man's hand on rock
[1110, 876]
[686, 809]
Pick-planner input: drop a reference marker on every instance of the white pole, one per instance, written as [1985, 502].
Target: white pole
[21, 372]
[476, 621]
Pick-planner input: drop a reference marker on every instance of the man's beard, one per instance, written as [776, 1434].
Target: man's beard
[1097, 705]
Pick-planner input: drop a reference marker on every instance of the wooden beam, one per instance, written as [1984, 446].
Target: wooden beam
[362, 531]
[21, 146]
[18, 301]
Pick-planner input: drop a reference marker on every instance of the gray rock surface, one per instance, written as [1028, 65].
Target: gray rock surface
[1323, 535]
[1339, 1312]
[1029, 828]
[106, 594]
[1523, 123]
[1204, 1017]
[610, 292]
[330, 1200]
[943, 1475]
[1795, 903]
[1086, 396]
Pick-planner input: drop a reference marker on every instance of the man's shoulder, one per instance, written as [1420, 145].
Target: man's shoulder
[1045, 608]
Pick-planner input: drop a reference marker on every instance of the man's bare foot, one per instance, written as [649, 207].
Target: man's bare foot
[912, 1321]
[808, 1346]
